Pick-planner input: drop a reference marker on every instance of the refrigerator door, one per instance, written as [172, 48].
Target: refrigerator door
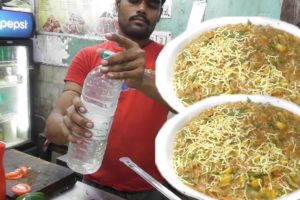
[14, 95]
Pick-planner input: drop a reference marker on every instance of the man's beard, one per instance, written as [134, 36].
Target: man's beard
[136, 33]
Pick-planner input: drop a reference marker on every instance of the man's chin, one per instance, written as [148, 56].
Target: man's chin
[138, 34]
[139, 37]
[136, 31]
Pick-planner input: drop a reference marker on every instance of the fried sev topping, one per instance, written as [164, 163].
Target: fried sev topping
[240, 151]
[241, 58]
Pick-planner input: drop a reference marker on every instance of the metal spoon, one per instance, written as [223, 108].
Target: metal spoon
[147, 177]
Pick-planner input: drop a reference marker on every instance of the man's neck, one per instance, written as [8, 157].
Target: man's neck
[143, 43]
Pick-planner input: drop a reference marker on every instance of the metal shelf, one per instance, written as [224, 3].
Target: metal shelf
[17, 141]
[11, 63]
[7, 117]
[7, 85]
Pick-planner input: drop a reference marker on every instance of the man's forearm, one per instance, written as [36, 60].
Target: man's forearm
[53, 129]
[149, 89]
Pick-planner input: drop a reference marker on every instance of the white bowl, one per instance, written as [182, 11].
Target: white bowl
[164, 142]
[167, 57]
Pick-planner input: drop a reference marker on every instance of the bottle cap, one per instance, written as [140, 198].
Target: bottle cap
[106, 54]
[124, 86]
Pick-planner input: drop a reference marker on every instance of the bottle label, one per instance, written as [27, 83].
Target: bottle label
[101, 118]
[102, 125]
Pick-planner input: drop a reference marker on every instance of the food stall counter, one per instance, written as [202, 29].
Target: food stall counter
[55, 181]
[83, 191]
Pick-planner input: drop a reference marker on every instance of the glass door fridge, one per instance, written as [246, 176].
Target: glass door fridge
[15, 99]
[16, 29]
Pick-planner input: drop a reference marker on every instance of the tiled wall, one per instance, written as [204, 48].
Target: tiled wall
[48, 86]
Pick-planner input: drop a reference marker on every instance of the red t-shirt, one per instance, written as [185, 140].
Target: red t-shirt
[136, 123]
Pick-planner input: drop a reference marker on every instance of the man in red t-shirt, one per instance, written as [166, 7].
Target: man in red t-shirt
[141, 111]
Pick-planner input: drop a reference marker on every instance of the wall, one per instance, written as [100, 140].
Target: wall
[266, 8]
[48, 86]
[50, 77]
[218, 8]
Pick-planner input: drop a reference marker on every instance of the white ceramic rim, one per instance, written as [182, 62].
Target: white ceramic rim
[166, 59]
[166, 136]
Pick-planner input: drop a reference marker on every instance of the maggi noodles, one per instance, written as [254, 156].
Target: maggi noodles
[241, 58]
[241, 150]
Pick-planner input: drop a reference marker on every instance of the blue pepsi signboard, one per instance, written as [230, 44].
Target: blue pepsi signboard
[15, 24]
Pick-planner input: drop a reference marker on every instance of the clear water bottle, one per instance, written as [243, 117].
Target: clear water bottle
[100, 96]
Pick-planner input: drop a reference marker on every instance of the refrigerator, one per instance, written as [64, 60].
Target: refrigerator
[16, 66]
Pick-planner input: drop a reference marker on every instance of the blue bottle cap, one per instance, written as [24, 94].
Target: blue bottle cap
[124, 86]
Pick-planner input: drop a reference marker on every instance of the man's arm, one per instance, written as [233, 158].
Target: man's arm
[58, 124]
[132, 70]
[148, 87]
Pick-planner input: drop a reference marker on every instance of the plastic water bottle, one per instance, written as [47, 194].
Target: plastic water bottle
[100, 96]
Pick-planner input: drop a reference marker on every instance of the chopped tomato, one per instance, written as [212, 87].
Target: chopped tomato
[24, 170]
[15, 177]
[14, 174]
[277, 173]
[18, 173]
[20, 188]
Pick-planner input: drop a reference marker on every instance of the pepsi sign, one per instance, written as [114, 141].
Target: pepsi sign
[15, 24]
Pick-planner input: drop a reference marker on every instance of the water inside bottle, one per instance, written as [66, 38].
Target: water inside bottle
[88, 157]
[100, 90]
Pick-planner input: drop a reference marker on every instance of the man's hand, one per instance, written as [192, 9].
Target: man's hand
[74, 125]
[127, 65]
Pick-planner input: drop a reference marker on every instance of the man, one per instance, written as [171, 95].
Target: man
[141, 111]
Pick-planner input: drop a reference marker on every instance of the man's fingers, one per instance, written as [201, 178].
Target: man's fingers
[134, 53]
[79, 120]
[121, 40]
[65, 130]
[71, 131]
[78, 104]
[128, 66]
[126, 70]
[68, 134]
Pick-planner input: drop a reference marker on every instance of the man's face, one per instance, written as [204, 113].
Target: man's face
[137, 18]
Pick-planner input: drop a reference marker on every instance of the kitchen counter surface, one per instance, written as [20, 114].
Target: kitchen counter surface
[56, 181]
[82, 191]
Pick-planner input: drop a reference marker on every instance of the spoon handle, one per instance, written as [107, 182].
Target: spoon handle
[129, 163]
